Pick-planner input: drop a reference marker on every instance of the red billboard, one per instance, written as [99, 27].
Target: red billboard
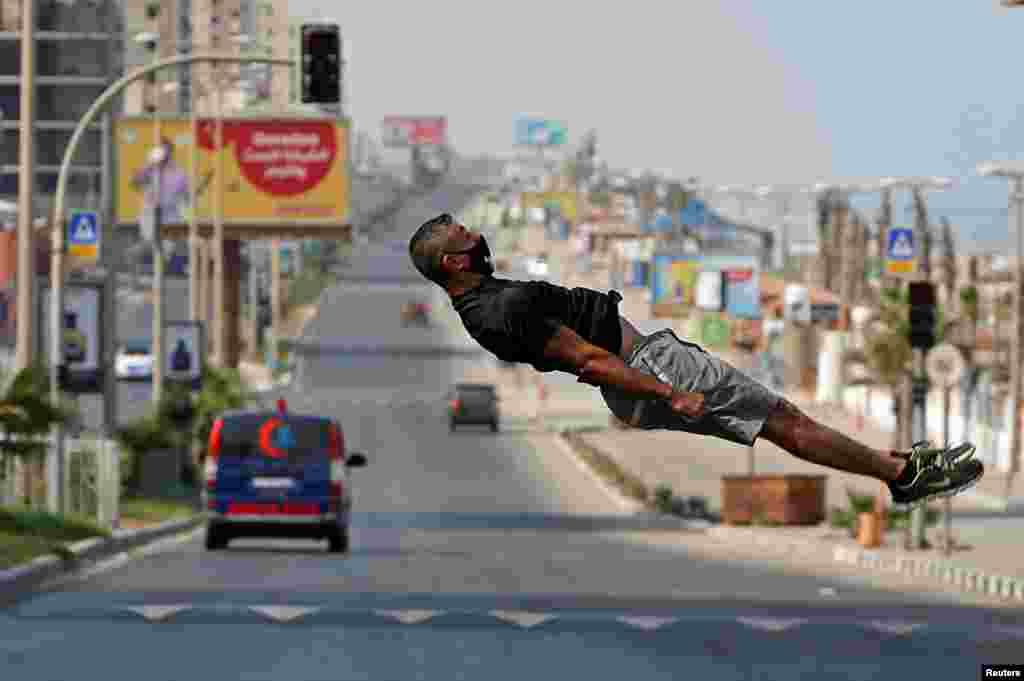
[414, 131]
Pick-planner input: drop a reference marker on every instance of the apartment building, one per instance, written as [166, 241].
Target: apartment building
[186, 26]
[78, 55]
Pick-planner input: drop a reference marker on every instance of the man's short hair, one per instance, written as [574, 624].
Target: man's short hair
[426, 246]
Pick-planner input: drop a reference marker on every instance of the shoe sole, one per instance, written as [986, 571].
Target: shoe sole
[911, 505]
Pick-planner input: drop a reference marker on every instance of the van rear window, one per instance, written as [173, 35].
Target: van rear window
[271, 435]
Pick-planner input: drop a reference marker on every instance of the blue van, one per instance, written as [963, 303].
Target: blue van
[278, 474]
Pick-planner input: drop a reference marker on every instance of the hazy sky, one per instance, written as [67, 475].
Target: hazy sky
[732, 91]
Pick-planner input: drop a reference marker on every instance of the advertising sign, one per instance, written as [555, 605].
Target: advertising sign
[824, 313]
[709, 290]
[742, 283]
[566, 202]
[540, 132]
[714, 331]
[291, 171]
[82, 340]
[182, 361]
[674, 283]
[400, 132]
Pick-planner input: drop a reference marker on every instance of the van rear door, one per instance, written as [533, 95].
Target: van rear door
[270, 455]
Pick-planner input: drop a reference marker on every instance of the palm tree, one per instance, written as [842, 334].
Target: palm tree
[924, 231]
[948, 260]
[27, 413]
[826, 230]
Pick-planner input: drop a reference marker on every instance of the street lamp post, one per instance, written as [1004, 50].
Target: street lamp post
[57, 226]
[1015, 173]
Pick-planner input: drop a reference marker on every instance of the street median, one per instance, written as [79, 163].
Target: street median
[18, 580]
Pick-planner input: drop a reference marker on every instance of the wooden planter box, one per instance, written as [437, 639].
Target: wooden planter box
[781, 499]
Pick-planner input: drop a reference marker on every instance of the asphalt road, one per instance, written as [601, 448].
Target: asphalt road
[476, 556]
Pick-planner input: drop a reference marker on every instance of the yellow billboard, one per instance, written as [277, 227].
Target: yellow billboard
[276, 171]
[566, 202]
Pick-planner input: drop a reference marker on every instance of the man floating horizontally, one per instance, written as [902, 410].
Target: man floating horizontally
[657, 381]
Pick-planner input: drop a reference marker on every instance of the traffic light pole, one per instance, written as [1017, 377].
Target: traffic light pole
[923, 319]
[920, 430]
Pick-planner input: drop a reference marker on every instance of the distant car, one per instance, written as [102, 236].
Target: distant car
[134, 361]
[473, 404]
[278, 474]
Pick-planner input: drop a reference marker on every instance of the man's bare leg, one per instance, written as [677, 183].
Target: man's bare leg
[805, 438]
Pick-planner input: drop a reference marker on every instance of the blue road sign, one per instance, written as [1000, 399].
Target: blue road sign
[901, 244]
[900, 254]
[84, 235]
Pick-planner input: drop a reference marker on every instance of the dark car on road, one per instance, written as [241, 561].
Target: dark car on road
[279, 474]
[473, 404]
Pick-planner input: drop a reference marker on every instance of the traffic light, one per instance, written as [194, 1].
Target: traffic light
[923, 315]
[321, 64]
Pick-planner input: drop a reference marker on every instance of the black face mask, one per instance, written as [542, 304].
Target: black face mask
[479, 257]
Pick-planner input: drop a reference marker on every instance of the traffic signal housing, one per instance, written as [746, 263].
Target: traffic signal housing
[923, 315]
[321, 64]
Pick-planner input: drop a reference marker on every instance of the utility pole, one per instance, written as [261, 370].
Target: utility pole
[923, 317]
[275, 300]
[25, 313]
[161, 157]
[194, 245]
[219, 351]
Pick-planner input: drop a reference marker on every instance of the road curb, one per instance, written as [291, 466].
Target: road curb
[14, 581]
[961, 578]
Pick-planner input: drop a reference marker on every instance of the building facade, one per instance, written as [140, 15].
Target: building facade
[258, 27]
[78, 55]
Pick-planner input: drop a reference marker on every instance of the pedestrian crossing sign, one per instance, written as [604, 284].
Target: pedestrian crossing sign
[84, 235]
[900, 256]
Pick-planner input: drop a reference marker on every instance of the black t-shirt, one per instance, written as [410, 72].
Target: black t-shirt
[514, 320]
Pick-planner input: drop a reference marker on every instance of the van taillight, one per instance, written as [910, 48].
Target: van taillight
[336, 454]
[213, 454]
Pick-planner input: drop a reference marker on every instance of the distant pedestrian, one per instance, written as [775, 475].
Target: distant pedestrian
[657, 382]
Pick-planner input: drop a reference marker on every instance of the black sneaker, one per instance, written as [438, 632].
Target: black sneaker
[936, 473]
[956, 454]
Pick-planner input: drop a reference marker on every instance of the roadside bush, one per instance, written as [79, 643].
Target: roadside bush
[148, 434]
[841, 518]
[49, 525]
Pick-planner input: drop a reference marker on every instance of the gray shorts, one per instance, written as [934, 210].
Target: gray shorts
[735, 405]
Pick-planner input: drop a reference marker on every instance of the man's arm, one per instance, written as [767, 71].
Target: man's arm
[597, 366]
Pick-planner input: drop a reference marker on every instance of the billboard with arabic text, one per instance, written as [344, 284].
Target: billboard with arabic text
[275, 171]
[400, 132]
